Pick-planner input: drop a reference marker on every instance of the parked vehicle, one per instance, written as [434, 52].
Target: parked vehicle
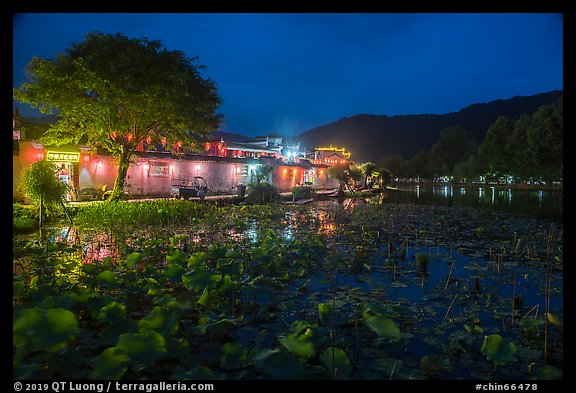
[189, 187]
[106, 194]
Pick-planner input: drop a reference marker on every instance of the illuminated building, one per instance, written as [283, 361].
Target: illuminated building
[223, 164]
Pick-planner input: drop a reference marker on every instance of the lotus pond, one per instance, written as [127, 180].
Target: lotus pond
[180, 290]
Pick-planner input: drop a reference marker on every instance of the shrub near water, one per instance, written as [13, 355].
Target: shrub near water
[24, 218]
[262, 193]
[302, 192]
[40, 183]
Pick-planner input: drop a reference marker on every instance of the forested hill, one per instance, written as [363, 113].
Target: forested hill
[369, 137]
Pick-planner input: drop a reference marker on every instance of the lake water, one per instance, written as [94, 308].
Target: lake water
[486, 273]
[538, 204]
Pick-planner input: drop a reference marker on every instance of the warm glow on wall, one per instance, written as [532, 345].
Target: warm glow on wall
[100, 164]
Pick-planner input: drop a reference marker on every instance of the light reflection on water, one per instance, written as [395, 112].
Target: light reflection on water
[321, 218]
[539, 204]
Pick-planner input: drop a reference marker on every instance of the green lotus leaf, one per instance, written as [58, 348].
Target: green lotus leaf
[324, 311]
[383, 327]
[144, 347]
[133, 259]
[233, 356]
[161, 320]
[110, 364]
[474, 329]
[434, 363]
[300, 344]
[107, 279]
[50, 330]
[336, 363]
[279, 364]
[497, 349]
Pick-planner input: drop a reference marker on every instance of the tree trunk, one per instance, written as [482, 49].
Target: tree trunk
[66, 212]
[120, 182]
[41, 220]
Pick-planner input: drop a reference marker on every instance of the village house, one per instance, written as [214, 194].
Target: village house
[223, 165]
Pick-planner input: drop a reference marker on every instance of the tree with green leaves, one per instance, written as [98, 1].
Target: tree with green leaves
[529, 148]
[113, 92]
[42, 187]
[496, 151]
[347, 174]
[419, 166]
[383, 176]
[394, 163]
[454, 145]
[468, 170]
[545, 141]
[262, 171]
[367, 169]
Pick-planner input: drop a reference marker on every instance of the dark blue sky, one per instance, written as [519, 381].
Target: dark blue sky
[288, 73]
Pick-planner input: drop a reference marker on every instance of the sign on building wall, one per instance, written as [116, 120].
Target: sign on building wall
[62, 156]
[159, 169]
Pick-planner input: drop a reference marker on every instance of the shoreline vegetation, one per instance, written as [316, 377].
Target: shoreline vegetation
[513, 186]
[403, 186]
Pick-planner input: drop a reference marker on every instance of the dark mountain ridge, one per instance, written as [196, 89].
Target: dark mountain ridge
[369, 137]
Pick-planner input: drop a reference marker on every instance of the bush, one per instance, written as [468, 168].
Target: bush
[24, 225]
[302, 192]
[24, 218]
[262, 193]
[40, 182]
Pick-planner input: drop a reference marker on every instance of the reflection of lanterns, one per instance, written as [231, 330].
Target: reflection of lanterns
[146, 166]
[100, 164]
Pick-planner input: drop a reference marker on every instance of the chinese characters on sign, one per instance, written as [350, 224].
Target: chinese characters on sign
[62, 156]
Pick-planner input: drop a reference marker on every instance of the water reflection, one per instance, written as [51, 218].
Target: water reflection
[97, 247]
[539, 204]
[62, 234]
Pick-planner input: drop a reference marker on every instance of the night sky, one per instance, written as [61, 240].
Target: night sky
[287, 73]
